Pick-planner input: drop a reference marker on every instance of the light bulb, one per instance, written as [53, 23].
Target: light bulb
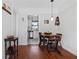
[51, 18]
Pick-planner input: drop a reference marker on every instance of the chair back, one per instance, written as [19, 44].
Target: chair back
[40, 36]
[59, 36]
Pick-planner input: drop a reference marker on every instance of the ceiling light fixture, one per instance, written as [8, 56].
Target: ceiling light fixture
[52, 10]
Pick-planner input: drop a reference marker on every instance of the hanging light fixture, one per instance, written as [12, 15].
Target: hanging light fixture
[57, 22]
[52, 10]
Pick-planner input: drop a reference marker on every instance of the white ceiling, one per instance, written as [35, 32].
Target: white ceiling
[57, 4]
[32, 3]
[40, 3]
[37, 3]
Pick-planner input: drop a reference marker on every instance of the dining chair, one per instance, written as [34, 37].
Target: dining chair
[43, 41]
[51, 43]
[60, 37]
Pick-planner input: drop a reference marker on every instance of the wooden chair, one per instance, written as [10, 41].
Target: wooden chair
[43, 41]
[60, 37]
[53, 43]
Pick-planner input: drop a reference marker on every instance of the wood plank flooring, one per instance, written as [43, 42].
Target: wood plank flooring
[36, 52]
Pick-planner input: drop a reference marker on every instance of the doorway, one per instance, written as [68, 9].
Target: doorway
[33, 29]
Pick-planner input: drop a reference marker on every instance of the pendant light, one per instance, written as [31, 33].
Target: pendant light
[57, 22]
[52, 10]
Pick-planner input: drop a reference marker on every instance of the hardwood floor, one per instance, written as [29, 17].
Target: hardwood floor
[36, 52]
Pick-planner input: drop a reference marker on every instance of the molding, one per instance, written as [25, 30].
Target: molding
[69, 51]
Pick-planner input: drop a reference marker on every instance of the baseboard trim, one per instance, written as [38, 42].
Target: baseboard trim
[69, 51]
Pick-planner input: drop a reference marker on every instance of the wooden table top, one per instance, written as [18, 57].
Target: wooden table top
[11, 39]
[51, 36]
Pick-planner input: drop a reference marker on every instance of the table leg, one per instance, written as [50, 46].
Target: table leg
[17, 48]
[14, 50]
[5, 50]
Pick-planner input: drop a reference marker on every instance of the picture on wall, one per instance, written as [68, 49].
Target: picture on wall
[46, 21]
[6, 7]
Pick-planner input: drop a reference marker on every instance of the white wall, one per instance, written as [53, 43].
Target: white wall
[21, 29]
[68, 17]
[8, 25]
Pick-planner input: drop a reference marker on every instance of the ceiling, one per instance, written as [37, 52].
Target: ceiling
[40, 3]
[58, 4]
[32, 3]
[37, 3]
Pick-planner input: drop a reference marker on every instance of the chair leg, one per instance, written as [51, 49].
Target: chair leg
[44, 43]
[39, 43]
[57, 48]
[48, 46]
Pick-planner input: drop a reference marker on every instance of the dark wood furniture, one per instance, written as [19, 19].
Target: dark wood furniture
[59, 34]
[52, 41]
[10, 48]
[43, 41]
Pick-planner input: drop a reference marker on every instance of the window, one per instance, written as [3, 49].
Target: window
[35, 25]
